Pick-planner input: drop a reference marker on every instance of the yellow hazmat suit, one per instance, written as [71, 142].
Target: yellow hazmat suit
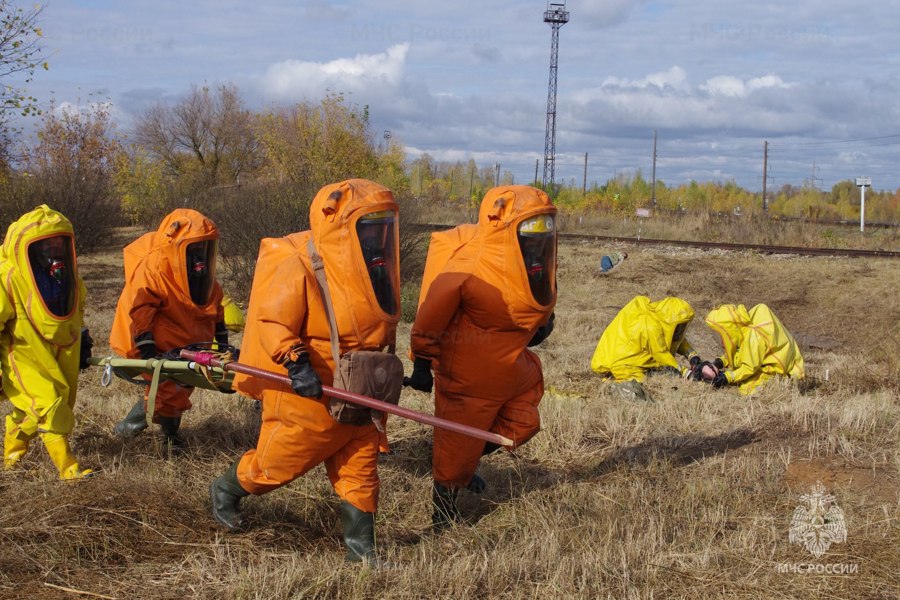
[234, 316]
[644, 335]
[40, 337]
[757, 346]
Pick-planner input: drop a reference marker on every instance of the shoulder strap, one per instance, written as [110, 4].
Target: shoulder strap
[319, 267]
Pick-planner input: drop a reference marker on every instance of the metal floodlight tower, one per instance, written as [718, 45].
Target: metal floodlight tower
[557, 16]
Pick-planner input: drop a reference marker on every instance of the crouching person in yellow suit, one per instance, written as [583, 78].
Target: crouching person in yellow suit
[643, 338]
[42, 344]
[757, 347]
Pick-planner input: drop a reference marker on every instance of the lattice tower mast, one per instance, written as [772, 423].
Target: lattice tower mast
[557, 16]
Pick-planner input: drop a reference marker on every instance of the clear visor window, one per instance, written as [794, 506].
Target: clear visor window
[201, 270]
[678, 336]
[537, 243]
[52, 262]
[377, 234]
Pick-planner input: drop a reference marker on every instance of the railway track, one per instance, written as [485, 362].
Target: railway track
[763, 249]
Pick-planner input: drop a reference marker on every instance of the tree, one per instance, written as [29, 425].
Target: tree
[21, 53]
[71, 169]
[316, 144]
[207, 137]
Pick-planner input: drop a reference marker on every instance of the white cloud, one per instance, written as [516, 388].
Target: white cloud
[297, 79]
[673, 77]
[727, 85]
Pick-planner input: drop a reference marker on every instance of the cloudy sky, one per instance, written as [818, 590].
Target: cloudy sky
[819, 80]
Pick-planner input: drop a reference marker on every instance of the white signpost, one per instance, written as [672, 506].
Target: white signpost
[862, 183]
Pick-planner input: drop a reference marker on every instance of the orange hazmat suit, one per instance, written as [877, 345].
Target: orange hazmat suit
[644, 335]
[475, 318]
[757, 346]
[287, 316]
[158, 300]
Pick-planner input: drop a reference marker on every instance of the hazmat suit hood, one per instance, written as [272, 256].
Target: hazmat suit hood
[185, 240]
[354, 229]
[675, 315]
[728, 321]
[500, 218]
[32, 273]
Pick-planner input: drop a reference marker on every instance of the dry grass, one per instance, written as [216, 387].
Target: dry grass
[688, 497]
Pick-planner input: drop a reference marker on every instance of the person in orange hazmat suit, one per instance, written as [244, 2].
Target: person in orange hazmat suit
[354, 228]
[757, 347]
[42, 340]
[477, 315]
[171, 299]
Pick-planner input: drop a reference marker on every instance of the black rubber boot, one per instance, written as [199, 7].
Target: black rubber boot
[490, 448]
[169, 427]
[359, 534]
[134, 422]
[226, 492]
[445, 511]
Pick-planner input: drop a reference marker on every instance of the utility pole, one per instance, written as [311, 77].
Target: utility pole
[653, 174]
[765, 200]
[537, 161]
[557, 16]
[497, 177]
[584, 180]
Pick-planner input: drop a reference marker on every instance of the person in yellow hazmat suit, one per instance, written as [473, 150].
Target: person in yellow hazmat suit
[42, 343]
[757, 347]
[643, 338]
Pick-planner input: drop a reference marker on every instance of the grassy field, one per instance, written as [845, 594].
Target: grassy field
[687, 497]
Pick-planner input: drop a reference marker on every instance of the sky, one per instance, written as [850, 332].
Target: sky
[819, 81]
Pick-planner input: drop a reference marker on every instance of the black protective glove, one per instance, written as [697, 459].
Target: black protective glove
[421, 378]
[543, 332]
[304, 378]
[87, 342]
[694, 373]
[145, 345]
[719, 380]
[221, 334]
[718, 364]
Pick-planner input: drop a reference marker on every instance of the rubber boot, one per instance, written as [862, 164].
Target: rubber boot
[58, 448]
[14, 446]
[169, 427]
[445, 511]
[226, 492]
[134, 422]
[359, 534]
[477, 485]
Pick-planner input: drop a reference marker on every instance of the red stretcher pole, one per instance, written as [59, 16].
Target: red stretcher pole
[209, 359]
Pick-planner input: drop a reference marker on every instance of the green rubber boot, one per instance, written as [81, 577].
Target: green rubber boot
[226, 492]
[169, 427]
[445, 511]
[134, 422]
[359, 534]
